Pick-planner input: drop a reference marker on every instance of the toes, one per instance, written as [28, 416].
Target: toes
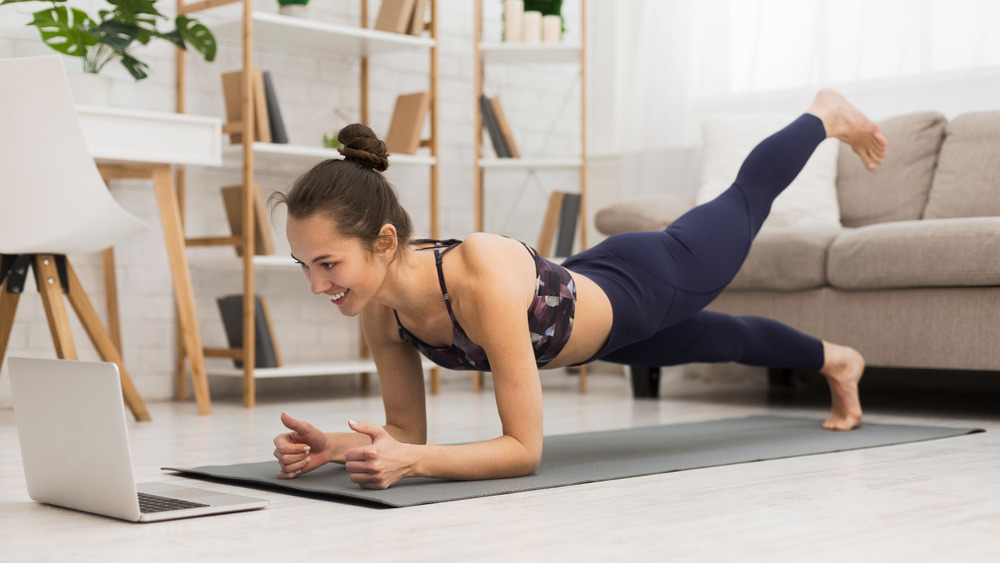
[871, 161]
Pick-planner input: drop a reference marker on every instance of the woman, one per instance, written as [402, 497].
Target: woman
[636, 298]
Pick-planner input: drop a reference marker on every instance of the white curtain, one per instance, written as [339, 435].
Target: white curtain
[692, 54]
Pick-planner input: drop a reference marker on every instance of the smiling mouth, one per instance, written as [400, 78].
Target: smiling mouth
[336, 297]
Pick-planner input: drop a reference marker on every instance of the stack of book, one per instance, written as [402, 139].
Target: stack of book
[402, 16]
[495, 123]
[268, 124]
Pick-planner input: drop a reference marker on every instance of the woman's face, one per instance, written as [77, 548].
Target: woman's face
[335, 265]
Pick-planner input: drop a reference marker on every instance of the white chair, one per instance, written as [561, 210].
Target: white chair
[53, 202]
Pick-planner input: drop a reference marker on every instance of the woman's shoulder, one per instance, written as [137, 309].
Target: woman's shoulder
[492, 254]
[487, 240]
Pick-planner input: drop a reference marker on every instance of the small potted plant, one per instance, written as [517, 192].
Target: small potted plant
[296, 8]
[110, 36]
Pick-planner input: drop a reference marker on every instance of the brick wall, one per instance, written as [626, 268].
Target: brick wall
[309, 88]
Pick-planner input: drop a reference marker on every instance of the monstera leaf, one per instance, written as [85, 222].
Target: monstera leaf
[65, 29]
[114, 32]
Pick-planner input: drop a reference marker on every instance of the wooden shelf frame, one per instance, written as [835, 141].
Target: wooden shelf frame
[527, 54]
[271, 155]
[253, 30]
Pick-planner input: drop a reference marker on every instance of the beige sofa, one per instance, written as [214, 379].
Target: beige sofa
[911, 280]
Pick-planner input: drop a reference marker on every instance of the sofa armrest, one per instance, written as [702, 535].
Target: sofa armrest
[653, 213]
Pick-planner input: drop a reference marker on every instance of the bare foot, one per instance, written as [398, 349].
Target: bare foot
[845, 122]
[843, 368]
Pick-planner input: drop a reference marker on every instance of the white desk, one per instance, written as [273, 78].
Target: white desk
[130, 136]
[142, 144]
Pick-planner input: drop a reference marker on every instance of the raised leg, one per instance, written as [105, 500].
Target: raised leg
[845, 122]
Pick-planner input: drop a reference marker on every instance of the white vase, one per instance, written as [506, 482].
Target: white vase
[90, 89]
[294, 10]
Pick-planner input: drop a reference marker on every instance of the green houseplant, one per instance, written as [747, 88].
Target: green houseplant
[98, 41]
[547, 8]
[295, 8]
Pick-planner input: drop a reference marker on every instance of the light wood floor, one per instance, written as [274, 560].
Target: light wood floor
[937, 500]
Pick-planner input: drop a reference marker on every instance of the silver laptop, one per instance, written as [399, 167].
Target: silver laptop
[74, 444]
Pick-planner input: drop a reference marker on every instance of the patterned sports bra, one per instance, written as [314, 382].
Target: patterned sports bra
[550, 316]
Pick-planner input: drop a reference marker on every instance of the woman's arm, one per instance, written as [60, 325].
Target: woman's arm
[305, 447]
[493, 283]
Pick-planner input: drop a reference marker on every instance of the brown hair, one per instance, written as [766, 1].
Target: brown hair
[353, 192]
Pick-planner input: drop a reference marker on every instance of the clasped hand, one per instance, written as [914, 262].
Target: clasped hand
[378, 465]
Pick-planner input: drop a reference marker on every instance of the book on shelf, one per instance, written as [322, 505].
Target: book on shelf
[418, 21]
[549, 224]
[232, 90]
[407, 123]
[568, 218]
[493, 127]
[395, 16]
[559, 224]
[233, 201]
[508, 136]
[278, 133]
[266, 354]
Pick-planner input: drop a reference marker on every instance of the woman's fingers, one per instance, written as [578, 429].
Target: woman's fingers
[292, 457]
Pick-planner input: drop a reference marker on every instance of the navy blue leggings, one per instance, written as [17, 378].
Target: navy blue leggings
[659, 282]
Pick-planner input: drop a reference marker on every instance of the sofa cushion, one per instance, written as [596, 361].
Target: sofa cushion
[897, 190]
[653, 213]
[927, 253]
[967, 180]
[811, 199]
[786, 259]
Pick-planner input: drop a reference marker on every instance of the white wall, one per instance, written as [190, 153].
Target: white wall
[309, 88]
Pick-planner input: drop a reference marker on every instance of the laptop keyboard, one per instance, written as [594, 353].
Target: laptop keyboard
[149, 504]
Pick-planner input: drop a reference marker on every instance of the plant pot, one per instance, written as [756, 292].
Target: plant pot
[294, 10]
[90, 89]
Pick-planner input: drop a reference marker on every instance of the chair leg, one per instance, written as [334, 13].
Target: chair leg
[102, 341]
[49, 287]
[8, 307]
[111, 296]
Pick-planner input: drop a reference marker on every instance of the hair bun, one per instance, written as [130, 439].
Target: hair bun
[361, 145]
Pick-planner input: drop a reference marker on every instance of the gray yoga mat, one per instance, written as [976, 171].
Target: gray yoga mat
[573, 459]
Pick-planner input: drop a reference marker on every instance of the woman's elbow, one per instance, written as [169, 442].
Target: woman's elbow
[530, 462]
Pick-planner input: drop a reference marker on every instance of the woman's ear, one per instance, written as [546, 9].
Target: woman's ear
[387, 241]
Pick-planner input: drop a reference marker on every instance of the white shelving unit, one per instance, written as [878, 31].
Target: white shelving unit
[261, 30]
[270, 155]
[274, 31]
[534, 53]
[530, 163]
[522, 54]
